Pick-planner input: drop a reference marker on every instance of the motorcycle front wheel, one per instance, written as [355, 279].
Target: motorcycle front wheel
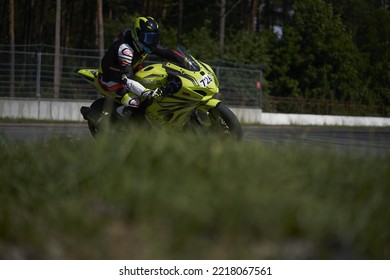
[224, 122]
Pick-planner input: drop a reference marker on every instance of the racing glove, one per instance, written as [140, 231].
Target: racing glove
[152, 94]
[140, 90]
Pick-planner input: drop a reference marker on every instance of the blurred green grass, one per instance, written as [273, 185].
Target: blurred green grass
[152, 195]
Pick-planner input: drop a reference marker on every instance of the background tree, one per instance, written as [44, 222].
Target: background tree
[369, 23]
[316, 58]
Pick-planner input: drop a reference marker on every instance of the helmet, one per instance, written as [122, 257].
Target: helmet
[145, 33]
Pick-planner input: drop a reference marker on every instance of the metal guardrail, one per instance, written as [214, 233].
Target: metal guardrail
[34, 77]
[239, 85]
[323, 107]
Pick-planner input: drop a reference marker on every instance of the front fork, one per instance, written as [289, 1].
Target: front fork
[200, 114]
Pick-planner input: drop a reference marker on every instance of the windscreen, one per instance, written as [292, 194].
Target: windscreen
[185, 60]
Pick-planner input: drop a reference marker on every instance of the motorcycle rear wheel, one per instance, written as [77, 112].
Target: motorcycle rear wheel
[100, 109]
[224, 122]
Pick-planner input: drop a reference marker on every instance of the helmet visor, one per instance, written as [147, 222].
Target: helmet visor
[150, 39]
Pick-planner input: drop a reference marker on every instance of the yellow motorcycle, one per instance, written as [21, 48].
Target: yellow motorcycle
[188, 101]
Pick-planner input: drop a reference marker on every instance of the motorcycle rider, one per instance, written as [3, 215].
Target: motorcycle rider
[124, 58]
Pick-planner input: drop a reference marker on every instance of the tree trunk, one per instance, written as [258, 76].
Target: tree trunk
[253, 21]
[57, 58]
[222, 23]
[267, 14]
[101, 27]
[180, 23]
[67, 24]
[12, 42]
[222, 20]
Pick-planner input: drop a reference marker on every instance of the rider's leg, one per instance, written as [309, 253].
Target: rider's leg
[129, 101]
[119, 92]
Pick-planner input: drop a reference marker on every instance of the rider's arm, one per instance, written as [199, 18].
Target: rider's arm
[165, 53]
[125, 59]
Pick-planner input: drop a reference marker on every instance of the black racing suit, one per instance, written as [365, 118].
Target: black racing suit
[124, 58]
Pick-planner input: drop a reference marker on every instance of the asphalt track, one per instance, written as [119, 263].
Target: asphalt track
[362, 140]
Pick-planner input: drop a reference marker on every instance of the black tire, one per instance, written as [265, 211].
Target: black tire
[93, 129]
[224, 122]
[100, 110]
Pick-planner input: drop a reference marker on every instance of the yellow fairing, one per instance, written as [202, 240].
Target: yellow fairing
[91, 75]
[193, 96]
[196, 93]
[152, 76]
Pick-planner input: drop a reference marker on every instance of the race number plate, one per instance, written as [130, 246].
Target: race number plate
[205, 80]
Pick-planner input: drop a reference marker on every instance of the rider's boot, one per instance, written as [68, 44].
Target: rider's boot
[128, 104]
[124, 112]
